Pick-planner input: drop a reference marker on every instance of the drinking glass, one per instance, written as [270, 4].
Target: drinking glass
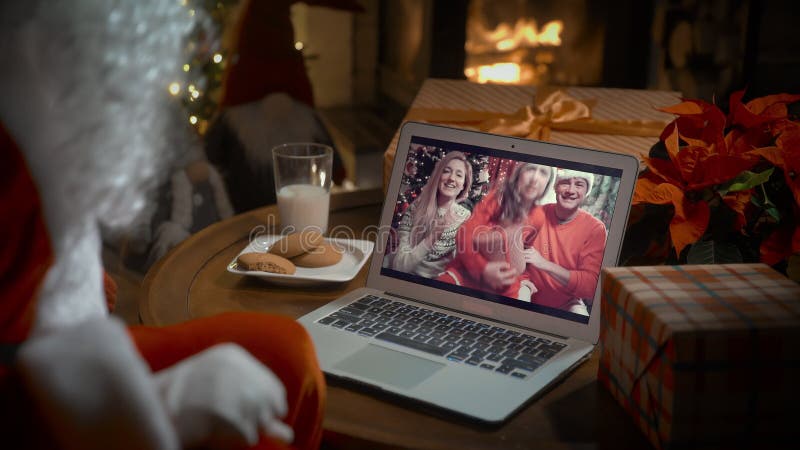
[303, 185]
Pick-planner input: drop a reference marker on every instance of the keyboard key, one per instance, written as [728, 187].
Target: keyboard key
[353, 327]
[487, 366]
[517, 364]
[456, 358]
[518, 374]
[394, 330]
[504, 369]
[421, 346]
[327, 320]
[346, 317]
[358, 305]
[494, 357]
[448, 346]
[421, 338]
[435, 341]
[473, 361]
[368, 332]
[353, 311]
[341, 323]
[408, 334]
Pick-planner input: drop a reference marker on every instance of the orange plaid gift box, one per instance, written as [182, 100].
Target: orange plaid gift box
[704, 356]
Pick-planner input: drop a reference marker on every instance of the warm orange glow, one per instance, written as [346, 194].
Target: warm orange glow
[504, 38]
[501, 54]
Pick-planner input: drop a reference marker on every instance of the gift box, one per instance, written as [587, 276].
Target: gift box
[619, 120]
[703, 356]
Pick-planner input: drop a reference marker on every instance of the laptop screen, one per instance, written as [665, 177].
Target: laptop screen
[522, 230]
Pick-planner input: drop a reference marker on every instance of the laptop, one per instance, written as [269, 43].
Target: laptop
[466, 348]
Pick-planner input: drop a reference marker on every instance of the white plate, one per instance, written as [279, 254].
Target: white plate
[356, 253]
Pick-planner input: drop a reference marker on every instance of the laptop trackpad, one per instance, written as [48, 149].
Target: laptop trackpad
[389, 366]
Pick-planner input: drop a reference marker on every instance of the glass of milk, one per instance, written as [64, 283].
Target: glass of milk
[303, 185]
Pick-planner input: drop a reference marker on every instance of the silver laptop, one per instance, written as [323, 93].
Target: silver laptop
[441, 332]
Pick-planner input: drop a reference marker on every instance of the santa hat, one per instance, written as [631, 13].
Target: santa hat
[569, 173]
[264, 59]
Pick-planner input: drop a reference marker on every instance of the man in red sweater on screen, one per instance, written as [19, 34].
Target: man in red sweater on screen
[564, 262]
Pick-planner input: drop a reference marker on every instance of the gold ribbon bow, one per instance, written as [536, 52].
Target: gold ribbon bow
[558, 111]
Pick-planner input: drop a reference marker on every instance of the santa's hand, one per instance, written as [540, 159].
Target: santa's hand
[223, 397]
[94, 389]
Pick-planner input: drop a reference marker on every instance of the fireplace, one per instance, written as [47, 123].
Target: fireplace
[703, 48]
[533, 42]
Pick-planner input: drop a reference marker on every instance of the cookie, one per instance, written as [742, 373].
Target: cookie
[324, 255]
[265, 262]
[295, 244]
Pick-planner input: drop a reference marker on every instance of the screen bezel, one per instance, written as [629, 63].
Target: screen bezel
[588, 332]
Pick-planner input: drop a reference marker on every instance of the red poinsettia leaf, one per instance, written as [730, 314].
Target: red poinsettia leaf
[716, 169]
[686, 107]
[739, 202]
[740, 141]
[672, 143]
[796, 240]
[664, 171]
[772, 105]
[777, 246]
[740, 114]
[772, 154]
[696, 120]
[690, 220]
[789, 145]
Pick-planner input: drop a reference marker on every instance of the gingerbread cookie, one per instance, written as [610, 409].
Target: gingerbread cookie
[324, 255]
[265, 262]
[295, 244]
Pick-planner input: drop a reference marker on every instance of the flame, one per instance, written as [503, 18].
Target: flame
[526, 33]
[504, 38]
[499, 73]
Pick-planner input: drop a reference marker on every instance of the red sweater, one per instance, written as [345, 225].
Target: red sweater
[469, 263]
[577, 246]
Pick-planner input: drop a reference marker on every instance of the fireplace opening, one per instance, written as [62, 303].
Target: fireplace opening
[524, 42]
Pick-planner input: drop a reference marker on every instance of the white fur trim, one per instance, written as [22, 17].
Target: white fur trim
[569, 173]
[221, 198]
[182, 205]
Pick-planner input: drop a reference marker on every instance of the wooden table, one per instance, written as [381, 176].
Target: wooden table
[192, 281]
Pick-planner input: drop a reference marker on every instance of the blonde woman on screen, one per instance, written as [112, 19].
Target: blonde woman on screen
[427, 230]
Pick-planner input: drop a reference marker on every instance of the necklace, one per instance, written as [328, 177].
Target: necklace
[440, 212]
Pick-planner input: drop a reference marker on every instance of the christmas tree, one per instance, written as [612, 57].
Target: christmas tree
[206, 60]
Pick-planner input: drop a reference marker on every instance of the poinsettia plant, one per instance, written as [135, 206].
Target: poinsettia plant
[733, 180]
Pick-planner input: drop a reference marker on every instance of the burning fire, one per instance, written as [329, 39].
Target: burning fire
[483, 44]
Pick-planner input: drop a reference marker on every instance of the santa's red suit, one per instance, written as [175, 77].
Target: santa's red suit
[25, 257]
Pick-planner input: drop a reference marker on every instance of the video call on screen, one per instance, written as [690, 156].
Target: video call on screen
[521, 230]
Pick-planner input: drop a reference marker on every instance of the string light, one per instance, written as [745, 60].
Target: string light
[193, 120]
[217, 58]
[299, 45]
[174, 88]
[186, 67]
[195, 94]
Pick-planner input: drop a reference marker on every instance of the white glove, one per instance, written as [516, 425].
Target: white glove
[94, 389]
[222, 397]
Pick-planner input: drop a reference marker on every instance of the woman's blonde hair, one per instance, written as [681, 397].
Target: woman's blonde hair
[510, 209]
[426, 205]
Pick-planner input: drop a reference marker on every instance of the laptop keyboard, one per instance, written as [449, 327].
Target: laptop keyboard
[458, 339]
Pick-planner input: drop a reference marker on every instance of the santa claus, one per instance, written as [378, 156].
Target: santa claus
[86, 128]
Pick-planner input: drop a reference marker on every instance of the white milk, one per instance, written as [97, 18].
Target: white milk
[304, 205]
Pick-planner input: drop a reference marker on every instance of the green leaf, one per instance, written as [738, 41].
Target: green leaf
[713, 252]
[746, 180]
[774, 213]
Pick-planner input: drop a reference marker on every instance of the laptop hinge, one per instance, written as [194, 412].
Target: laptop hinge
[416, 300]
